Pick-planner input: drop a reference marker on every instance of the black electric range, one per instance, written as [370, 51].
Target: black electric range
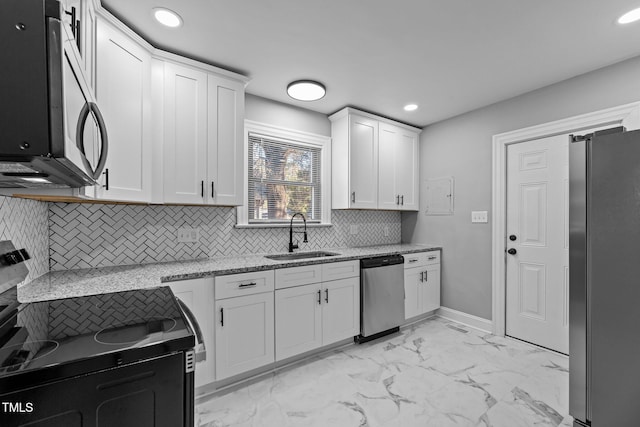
[61, 338]
[120, 359]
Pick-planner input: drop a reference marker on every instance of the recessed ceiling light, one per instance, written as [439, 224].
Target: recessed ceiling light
[629, 17]
[167, 17]
[306, 90]
[410, 107]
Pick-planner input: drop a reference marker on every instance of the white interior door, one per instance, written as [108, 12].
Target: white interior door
[537, 261]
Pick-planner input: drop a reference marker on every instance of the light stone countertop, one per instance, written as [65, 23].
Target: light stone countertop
[92, 281]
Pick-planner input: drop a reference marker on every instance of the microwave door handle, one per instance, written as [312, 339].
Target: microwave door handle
[82, 120]
[91, 107]
[104, 140]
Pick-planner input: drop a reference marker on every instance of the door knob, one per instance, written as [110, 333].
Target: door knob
[512, 237]
[512, 251]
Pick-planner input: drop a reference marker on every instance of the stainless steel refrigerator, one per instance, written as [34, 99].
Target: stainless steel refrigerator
[604, 265]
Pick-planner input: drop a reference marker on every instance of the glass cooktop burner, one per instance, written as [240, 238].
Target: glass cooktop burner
[134, 332]
[13, 357]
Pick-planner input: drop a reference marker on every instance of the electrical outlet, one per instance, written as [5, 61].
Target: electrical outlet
[188, 235]
[386, 231]
[353, 229]
[479, 217]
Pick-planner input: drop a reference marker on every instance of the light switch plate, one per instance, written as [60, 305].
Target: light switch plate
[188, 235]
[479, 217]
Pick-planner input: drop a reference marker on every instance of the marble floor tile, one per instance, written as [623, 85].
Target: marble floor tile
[434, 374]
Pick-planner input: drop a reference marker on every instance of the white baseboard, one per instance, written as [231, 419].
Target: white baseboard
[484, 325]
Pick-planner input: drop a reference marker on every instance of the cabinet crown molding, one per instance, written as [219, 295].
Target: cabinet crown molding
[350, 110]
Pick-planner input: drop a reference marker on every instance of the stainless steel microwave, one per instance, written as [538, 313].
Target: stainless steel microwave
[52, 133]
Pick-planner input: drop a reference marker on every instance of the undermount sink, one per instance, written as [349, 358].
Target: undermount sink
[300, 255]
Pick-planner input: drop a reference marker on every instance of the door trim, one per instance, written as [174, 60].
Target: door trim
[628, 113]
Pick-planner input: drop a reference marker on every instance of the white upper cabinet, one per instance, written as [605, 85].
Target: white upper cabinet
[398, 168]
[123, 90]
[354, 162]
[80, 16]
[225, 141]
[203, 119]
[374, 162]
[185, 134]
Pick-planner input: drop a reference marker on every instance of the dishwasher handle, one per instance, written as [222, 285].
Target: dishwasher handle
[381, 261]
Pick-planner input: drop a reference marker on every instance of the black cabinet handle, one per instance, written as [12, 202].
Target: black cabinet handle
[353, 197]
[221, 316]
[426, 276]
[319, 297]
[202, 189]
[326, 296]
[402, 200]
[512, 251]
[422, 276]
[512, 237]
[248, 285]
[397, 199]
[213, 192]
[106, 179]
[431, 257]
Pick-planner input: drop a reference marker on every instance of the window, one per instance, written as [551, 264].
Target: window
[287, 172]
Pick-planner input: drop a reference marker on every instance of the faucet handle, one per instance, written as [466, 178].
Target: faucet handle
[305, 238]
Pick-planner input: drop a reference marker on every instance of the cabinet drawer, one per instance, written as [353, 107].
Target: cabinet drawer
[235, 285]
[340, 270]
[421, 259]
[296, 276]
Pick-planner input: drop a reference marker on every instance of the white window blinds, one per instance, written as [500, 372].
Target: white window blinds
[284, 178]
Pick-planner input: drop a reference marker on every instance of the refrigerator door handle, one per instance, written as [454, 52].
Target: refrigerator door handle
[578, 325]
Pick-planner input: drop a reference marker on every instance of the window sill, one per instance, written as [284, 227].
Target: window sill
[295, 224]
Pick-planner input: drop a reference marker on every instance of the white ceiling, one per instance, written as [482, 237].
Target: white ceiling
[448, 56]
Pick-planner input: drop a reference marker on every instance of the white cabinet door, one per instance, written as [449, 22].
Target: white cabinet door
[185, 134]
[398, 168]
[406, 170]
[197, 295]
[363, 162]
[340, 309]
[225, 141]
[431, 288]
[388, 195]
[123, 90]
[412, 292]
[298, 320]
[244, 334]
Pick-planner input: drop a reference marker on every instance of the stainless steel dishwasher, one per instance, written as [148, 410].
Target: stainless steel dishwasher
[381, 296]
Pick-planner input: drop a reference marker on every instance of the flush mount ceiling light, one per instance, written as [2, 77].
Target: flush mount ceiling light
[306, 90]
[410, 107]
[630, 17]
[167, 17]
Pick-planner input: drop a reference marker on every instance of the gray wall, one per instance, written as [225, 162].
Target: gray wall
[276, 113]
[461, 147]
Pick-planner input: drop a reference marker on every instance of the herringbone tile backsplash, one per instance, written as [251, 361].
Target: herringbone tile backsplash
[93, 235]
[25, 223]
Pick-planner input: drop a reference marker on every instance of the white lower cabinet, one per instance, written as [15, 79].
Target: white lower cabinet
[244, 325]
[421, 283]
[340, 310]
[298, 320]
[313, 315]
[197, 295]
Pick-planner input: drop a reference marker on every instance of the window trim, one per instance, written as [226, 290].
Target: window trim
[304, 138]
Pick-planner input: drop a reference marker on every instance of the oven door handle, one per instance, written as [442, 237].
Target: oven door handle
[200, 349]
